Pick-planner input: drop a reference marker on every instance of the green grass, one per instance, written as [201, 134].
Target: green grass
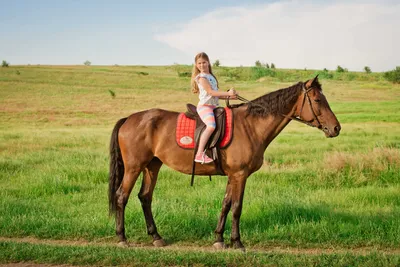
[112, 256]
[312, 192]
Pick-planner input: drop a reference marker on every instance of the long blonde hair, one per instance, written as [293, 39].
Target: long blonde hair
[196, 71]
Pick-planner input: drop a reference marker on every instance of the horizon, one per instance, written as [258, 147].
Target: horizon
[168, 65]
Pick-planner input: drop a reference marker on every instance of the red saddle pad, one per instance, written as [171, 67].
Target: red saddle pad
[185, 128]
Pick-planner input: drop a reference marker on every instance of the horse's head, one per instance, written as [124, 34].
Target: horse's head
[313, 108]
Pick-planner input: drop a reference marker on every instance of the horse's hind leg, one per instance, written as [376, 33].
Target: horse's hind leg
[150, 174]
[130, 176]
[226, 206]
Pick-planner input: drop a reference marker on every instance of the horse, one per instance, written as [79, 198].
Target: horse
[144, 141]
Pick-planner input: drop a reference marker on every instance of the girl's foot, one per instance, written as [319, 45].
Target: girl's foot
[202, 158]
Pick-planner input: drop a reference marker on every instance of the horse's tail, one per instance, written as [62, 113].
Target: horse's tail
[116, 167]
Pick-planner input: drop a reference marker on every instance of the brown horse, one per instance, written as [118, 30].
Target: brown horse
[145, 140]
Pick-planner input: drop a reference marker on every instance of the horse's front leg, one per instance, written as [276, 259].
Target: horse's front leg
[226, 206]
[238, 186]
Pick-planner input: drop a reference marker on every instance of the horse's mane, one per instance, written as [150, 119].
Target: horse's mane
[275, 102]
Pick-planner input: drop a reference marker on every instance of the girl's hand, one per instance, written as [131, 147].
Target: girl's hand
[232, 93]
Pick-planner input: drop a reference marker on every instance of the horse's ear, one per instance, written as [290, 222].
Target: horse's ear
[315, 80]
[308, 84]
[311, 82]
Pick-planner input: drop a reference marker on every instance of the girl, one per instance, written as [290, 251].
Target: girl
[204, 82]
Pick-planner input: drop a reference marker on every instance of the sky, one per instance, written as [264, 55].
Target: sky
[312, 34]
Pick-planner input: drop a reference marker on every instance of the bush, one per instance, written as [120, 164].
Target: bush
[182, 68]
[184, 74]
[112, 93]
[216, 63]
[234, 73]
[5, 64]
[393, 76]
[367, 69]
[340, 69]
[324, 74]
[258, 72]
[87, 63]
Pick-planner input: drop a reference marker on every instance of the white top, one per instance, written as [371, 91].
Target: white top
[204, 97]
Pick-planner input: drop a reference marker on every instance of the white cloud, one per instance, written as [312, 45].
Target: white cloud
[296, 34]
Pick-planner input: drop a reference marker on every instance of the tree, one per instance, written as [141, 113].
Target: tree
[272, 66]
[5, 64]
[340, 69]
[393, 75]
[87, 63]
[266, 65]
[367, 69]
[258, 63]
[216, 63]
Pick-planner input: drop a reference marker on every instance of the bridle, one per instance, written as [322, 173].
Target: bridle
[297, 118]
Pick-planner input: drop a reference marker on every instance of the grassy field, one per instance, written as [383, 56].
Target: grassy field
[334, 201]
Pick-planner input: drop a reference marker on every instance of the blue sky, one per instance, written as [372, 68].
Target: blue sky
[290, 34]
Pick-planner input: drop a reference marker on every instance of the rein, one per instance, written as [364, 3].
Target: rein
[298, 119]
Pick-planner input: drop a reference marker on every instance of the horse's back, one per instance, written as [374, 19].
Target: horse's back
[143, 130]
[148, 121]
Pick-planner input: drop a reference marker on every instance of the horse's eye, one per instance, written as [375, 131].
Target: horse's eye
[317, 100]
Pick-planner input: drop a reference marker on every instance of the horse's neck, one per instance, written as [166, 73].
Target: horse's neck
[266, 128]
[273, 126]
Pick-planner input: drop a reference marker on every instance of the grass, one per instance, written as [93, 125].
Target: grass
[311, 193]
[112, 256]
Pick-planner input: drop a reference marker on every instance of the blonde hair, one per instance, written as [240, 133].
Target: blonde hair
[196, 71]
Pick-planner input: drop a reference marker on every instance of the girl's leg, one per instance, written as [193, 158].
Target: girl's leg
[206, 113]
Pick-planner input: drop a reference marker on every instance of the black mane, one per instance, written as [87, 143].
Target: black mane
[276, 102]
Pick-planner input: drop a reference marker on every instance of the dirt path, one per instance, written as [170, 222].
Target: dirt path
[271, 249]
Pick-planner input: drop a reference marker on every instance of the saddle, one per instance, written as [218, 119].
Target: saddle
[219, 131]
[212, 147]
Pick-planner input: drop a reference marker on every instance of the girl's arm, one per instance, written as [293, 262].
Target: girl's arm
[207, 86]
[230, 97]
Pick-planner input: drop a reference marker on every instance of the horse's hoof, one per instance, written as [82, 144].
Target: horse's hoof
[123, 244]
[159, 243]
[238, 245]
[219, 245]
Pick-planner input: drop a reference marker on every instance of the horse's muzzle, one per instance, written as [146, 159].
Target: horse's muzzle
[331, 131]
